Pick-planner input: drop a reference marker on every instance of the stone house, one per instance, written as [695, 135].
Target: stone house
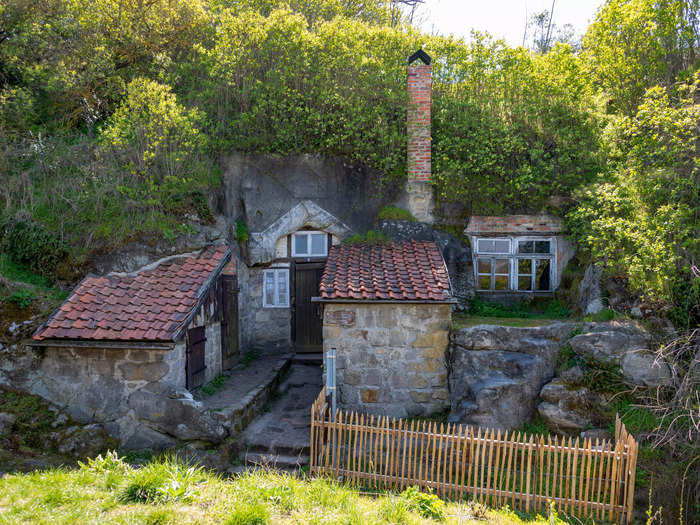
[123, 337]
[387, 313]
[517, 256]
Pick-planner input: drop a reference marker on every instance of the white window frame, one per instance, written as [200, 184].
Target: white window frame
[513, 256]
[506, 253]
[275, 272]
[308, 234]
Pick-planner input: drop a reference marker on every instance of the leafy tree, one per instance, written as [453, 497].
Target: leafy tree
[635, 44]
[643, 221]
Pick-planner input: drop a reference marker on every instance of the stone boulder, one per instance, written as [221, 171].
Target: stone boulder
[565, 409]
[6, 422]
[609, 341]
[496, 372]
[590, 290]
[643, 368]
[174, 412]
[89, 440]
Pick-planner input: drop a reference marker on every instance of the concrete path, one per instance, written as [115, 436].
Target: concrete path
[280, 437]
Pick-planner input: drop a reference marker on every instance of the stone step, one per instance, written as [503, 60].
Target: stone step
[277, 461]
[279, 449]
[308, 359]
[236, 411]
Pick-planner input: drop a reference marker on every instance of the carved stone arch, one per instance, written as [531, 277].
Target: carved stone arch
[306, 214]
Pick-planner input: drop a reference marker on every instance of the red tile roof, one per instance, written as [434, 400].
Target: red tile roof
[407, 271]
[148, 305]
[514, 224]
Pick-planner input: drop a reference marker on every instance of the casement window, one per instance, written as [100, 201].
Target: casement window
[310, 244]
[276, 288]
[524, 264]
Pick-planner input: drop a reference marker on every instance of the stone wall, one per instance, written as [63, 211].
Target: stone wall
[391, 358]
[270, 327]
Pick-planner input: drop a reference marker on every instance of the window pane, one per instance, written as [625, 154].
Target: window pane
[524, 266]
[502, 266]
[484, 282]
[501, 282]
[526, 246]
[493, 246]
[542, 273]
[269, 288]
[484, 266]
[524, 283]
[319, 244]
[543, 246]
[300, 244]
[282, 287]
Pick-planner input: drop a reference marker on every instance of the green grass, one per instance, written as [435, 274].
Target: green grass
[369, 237]
[606, 314]
[109, 490]
[537, 309]
[464, 320]
[394, 213]
[26, 287]
[247, 358]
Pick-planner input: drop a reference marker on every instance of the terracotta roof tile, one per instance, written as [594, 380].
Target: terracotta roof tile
[398, 271]
[149, 305]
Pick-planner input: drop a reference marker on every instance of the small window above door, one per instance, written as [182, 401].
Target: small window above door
[310, 244]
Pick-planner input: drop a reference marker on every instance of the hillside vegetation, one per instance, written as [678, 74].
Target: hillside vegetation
[113, 114]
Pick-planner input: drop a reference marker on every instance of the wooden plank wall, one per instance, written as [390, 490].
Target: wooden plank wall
[582, 477]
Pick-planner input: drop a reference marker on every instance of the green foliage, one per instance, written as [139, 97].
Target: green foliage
[636, 418]
[537, 426]
[249, 513]
[426, 504]
[32, 245]
[642, 223]
[248, 357]
[17, 272]
[552, 309]
[241, 231]
[22, 298]
[606, 314]
[635, 44]
[369, 237]
[213, 386]
[33, 419]
[161, 481]
[394, 213]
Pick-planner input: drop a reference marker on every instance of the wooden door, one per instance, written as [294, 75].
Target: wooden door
[307, 315]
[229, 321]
[196, 341]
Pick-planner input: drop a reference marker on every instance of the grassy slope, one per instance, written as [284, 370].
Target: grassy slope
[108, 491]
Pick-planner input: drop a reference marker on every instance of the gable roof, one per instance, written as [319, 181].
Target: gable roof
[152, 304]
[513, 224]
[406, 271]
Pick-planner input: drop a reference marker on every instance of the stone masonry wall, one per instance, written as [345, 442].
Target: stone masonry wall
[391, 358]
[271, 327]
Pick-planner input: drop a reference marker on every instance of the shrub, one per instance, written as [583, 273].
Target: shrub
[394, 213]
[241, 231]
[370, 237]
[33, 246]
[22, 298]
[425, 504]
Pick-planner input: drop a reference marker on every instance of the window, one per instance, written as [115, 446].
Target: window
[493, 273]
[524, 264]
[493, 246]
[276, 288]
[309, 244]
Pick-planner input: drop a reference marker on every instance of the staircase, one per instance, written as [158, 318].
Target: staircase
[280, 438]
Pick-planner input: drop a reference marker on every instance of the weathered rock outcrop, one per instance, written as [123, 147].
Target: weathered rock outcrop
[496, 372]
[566, 409]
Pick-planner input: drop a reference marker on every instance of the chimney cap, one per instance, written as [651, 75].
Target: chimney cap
[420, 55]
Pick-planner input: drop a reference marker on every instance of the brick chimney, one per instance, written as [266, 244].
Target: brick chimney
[418, 197]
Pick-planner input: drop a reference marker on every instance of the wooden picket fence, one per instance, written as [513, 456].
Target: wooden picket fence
[526, 472]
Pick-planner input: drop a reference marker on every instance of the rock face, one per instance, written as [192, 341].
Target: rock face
[496, 372]
[6, 422]
[590, 290]
[565, 409]
[609, 341]
[89, 440]
[643, 368]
